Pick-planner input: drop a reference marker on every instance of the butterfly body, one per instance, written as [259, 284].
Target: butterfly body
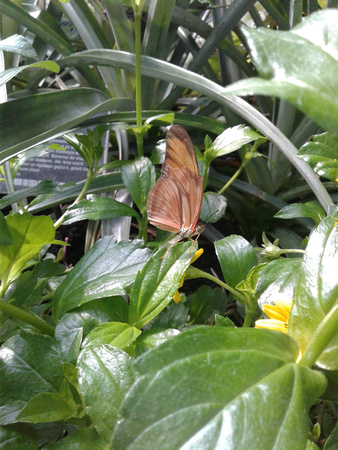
[174, 203]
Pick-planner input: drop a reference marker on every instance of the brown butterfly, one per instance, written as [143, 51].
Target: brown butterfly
[174, 203]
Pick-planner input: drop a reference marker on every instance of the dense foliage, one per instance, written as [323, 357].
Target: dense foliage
[139, 344]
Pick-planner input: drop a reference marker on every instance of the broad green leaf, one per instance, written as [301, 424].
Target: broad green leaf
[157, 282]
[82, 438]
[321, 155]
[276, 278]
[230, 140]
[213, 207]
[5, 234]
[205, 302]
[8, 74]
[174, 316]
[116, 334]
[153, 338]
[18, 436]
[236, 257]
[95, 207]
[50, 407]
[139, 177]
[91, 315]
[27, 289]
[317, 290]
[106, 270]
[29, 235]
[209, 387]
[44, 187]
[18, 44]
[295, 69]
[105, 375]
[73, 107]
[308, 209]
[30, 364]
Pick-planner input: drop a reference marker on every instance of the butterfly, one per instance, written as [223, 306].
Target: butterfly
[174, 203]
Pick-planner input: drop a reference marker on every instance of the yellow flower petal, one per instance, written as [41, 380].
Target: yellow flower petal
[274, 312]
[197, 255]
[272, 324]
[177, 297]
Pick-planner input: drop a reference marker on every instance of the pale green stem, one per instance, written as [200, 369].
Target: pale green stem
[26, 317]
[320, 339]
[247, 158]
[138, 80]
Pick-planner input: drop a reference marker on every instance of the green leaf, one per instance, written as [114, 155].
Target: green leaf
[19, 45]
[95, 207]
[236, 257]
[213, 207]
[7, 75]
[18, 436]
[105, 375]
[317, 290]
[29, 235]
[153, 338]
[276, 278]
[30, 364]
[230, 140]
[212, 385]
[308, 209]
[44, 187]
[83, 438]
[295, 69]
[205, 302]
[174, 316]
[157, 282]
[50, 407]
[5, 234]
[116, 334]
[321, 155]
[221, 321]
[139, 177]
[106, 270]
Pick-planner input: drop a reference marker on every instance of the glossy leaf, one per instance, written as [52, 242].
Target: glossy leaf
[84, 438]
[174, 316]
[153, 338]
[317, 290]
[38, 358]
[157, 282]
[5, 234]
[95, 207]
[105, 375]
[308, 209]
[139, 177]
[7, 75]
[213, 207]
[50, 407]
[106, 270]
[116, 334]
[19, 45]
[321, 155]
[29, 235]
[277, 277]
[230, 140]
[18, 436]
[296, 69]
[205, 302]
[44, 187]
[209, 387]
[236, 257]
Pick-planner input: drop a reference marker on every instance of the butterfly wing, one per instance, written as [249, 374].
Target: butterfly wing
[179, 151]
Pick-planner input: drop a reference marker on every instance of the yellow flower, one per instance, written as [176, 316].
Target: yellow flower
[278, 315]
[177, 297]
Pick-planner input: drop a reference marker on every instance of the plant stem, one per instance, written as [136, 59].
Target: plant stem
[138, 82]
[248, 317]
[193, 272]
[26, 317]
[320, 339]
[247, 158]
[84, 190]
